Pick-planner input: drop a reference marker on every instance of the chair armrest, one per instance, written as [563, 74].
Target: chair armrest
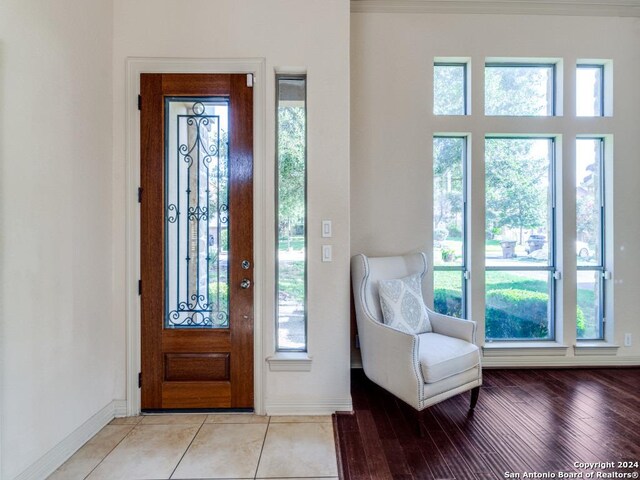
[390, 359]
[452, 326]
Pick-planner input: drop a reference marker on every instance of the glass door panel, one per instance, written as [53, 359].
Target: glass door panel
[197, 220]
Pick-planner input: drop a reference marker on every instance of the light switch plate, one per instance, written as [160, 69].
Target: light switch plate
[326, 253]
[326, 229]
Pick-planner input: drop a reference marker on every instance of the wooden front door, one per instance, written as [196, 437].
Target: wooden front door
[196, 241]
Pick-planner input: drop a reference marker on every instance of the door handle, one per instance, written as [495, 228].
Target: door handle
[245, 283]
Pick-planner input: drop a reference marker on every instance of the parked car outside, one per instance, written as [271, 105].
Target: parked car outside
[535, 242]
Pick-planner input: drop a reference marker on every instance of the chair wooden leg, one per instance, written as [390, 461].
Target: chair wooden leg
[474, 397]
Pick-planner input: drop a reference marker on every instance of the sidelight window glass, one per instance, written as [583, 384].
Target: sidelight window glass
[291, 213]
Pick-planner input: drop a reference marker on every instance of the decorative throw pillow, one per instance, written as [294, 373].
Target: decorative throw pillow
[402, 304]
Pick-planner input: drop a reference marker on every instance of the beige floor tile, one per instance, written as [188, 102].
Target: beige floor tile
[301, 419]
[91, 454]
[223, 451]
[126, 421]
[183, 419]
[300, 478]
[148, 452]
[236, 418]
[298, 450]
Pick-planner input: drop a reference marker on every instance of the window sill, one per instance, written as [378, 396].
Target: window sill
[524, 349]
[290, 362]
[595, 348]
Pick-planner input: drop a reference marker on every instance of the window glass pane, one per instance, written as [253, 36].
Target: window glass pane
[448, 207]
[197, 213]
[448, 294]
[519, 89]
[518, 201]
[291, 221]
[517, 305]
[589, 90]
[588, 201]
[589, 312]
[449, 89]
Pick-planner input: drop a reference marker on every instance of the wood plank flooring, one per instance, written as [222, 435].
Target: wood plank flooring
[526, 421]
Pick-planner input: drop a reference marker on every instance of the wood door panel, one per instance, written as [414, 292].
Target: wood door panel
[180, 84]
[196, 367]
[196, 341]
[196, 395]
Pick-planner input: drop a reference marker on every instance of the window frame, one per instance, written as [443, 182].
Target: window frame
[465, 87]
[464, 267]
[278, 347]
[600, 67]
[510, 64]
[552, 267]
[601, 267]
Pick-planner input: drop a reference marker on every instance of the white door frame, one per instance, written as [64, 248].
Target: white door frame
[134, 67]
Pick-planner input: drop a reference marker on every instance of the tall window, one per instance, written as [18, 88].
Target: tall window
[449, 225]
[449, 88]
[519, 89]
[520, 238]
[291, 216]
[590, 237]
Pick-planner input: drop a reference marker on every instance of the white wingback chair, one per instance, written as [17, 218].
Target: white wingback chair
[421, 369]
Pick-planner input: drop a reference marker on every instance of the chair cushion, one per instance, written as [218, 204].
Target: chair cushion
[402, 304]
[441, 356]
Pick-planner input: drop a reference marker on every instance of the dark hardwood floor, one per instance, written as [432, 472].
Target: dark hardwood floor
[533, 421]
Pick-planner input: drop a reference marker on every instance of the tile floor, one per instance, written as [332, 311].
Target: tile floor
[194, 446]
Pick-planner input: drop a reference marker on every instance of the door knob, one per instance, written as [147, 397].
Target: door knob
[245, 283]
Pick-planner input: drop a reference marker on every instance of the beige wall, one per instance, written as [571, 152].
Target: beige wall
[59, 344]
[313, 36]
[392, 127]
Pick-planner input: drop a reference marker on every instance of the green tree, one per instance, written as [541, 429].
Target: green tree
[291, 168]
[516, 190]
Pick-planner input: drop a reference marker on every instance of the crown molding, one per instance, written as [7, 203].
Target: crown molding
[596, 8]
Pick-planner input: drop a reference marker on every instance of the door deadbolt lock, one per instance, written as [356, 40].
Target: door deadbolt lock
[245, 264]
[245, 283]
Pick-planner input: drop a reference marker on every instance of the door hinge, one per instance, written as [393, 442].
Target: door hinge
[249, 79]
[139, 379]
[139, 194]
[139, 287]
[139, 102]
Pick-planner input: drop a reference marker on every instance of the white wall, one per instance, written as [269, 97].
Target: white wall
[392, 127]
[58, 341]
[313, 35]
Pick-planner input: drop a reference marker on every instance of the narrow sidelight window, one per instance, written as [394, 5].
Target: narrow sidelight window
[291, 212]
[449, 225]
[590, 237]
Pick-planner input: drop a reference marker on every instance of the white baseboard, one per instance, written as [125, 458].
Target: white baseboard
[119, 408]
[322, 407]
[59, 454]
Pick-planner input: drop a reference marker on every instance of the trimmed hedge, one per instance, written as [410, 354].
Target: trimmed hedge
[510, 313]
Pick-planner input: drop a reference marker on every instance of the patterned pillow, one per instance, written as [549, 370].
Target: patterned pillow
[402, 304]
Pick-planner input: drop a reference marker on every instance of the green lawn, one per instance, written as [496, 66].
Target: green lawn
[291, 284]
[296, 243]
